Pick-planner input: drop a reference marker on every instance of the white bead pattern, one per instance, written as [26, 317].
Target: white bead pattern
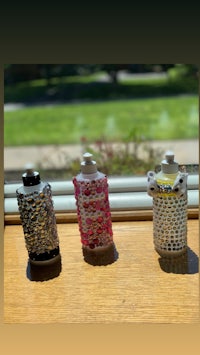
[170, 223]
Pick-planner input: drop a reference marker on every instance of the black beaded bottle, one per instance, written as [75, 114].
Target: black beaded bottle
[38, 220]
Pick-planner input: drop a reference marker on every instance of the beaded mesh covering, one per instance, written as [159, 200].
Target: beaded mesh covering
[93, 211]
[38, 220]
[169, 214]
[170, 223]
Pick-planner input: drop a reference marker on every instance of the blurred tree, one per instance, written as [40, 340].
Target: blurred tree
[14, 73]
[148, 68]
[113, 70]
[184, 71]
[87, 69]
[187, 73]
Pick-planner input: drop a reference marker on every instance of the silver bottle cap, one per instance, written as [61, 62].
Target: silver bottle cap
[88, 166]
[30, 177]
[169, 165]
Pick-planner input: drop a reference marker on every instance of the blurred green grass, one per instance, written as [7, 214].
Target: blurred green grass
[157, 118]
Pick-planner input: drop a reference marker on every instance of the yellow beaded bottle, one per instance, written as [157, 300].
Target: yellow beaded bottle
[169, 191]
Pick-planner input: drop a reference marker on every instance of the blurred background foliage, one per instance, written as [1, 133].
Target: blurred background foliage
[101, 104]
[42, 82]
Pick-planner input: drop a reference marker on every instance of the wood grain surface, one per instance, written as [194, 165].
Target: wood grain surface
[138, 287]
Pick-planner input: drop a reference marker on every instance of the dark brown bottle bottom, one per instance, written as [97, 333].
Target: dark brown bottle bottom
[43, 267]
[100, 255]
[46, 257]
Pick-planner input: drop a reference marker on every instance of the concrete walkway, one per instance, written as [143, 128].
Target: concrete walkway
[58, 156]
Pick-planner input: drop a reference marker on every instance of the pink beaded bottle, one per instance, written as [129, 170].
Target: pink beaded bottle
[94, 217]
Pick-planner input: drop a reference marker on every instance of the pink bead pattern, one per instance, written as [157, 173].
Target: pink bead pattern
[93, 210]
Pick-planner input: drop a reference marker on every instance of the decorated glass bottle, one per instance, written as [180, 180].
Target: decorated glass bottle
[169, 191]
[94, 216]
[38, 220]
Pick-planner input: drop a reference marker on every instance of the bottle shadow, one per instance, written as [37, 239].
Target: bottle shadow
[185, 264]
[43, 272]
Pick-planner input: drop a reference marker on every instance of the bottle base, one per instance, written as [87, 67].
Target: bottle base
[44, 270]
[100, 255]
[171, 254]
[45, 262]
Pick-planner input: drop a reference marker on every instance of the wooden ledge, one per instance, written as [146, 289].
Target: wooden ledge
[138, 287]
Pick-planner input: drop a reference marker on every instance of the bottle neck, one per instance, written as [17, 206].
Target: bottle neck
[25, 190]
[162, 177]
[169, 165]
[94, 176]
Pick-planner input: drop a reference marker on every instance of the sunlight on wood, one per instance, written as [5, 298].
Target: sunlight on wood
[139, 287]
